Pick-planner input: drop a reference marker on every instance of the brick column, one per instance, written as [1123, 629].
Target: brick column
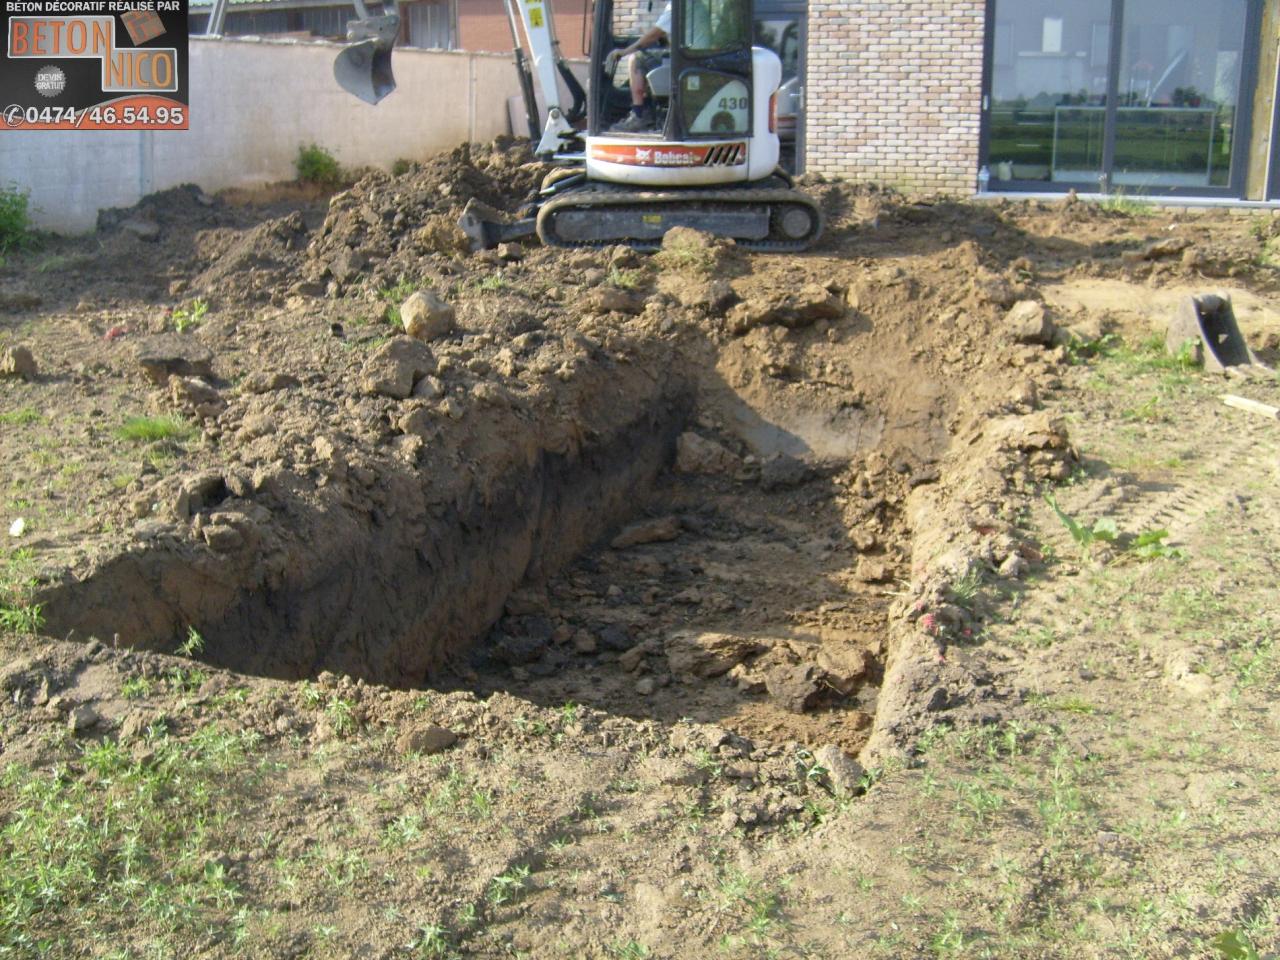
[894, 92]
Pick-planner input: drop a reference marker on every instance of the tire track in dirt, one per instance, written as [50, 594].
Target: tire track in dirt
[1184, 502]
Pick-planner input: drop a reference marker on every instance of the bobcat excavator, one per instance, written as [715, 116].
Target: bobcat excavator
[710, 160]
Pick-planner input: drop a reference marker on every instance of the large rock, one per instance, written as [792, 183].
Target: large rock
[172, 354]
[706, 655]
[396, 366]
[696, 454]
[426, 317]
[18, 362]
[1028, 322]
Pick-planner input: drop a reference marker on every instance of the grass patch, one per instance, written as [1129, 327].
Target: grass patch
[1124, 205]
[20, 418]
[17, 586]
[111, 840]
[151, 429]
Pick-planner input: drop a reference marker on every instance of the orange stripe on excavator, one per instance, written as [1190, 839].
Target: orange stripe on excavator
[668, 155]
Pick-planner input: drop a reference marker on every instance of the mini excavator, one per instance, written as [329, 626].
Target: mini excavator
[708, 160]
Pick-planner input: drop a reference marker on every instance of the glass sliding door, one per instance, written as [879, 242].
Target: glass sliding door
[1180, 72]
[1150, 96]
[1049, 72]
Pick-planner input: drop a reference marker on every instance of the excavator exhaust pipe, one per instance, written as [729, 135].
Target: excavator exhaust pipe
[363, 68]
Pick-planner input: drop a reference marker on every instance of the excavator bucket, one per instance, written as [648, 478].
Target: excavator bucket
[363, 68]
[1208, 325]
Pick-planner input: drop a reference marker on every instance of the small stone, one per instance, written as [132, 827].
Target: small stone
[616, 638]
[346, 266]
[265, 382]
[82, 718]
[426, 317]
[18, 362]
[1014, 567]
[782, 472]
[611, 299]
[510, 252]
[697, 454]
[394, 368]
[584, 642]
[844, 774]
[645, 686]
[222, 537]
[427, 740]
[146, 230]
[658, 530]
[796, 687]
[1028, 322]
[871, 570]
[706, 655]
[631, 659]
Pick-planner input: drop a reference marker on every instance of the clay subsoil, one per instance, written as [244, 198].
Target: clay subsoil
[682, 604]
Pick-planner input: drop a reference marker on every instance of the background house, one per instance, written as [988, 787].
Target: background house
[474, 25]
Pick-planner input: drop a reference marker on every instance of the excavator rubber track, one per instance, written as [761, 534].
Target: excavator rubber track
[768, 217]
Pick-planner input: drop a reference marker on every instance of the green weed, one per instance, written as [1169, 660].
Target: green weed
[625, 279]
[15, 219]
[507, 886]
[315, 164]
[628, 950]
[1147, 545]
[136, 687]
[193, 645]
[186, 317]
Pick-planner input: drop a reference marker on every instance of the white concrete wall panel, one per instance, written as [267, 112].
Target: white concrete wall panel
[253, 103]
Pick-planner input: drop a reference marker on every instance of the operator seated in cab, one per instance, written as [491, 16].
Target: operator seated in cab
[642, 64]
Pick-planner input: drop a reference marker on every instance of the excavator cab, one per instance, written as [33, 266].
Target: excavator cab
[701, 89]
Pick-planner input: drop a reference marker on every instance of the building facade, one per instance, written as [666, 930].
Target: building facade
[1146, 97]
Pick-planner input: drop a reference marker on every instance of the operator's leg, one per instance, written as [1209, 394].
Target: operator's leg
[636, 71]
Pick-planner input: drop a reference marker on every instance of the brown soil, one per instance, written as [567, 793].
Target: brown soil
[739, 507]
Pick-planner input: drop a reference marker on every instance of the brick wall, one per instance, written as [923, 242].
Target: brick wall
[634, 17]
[894, 91]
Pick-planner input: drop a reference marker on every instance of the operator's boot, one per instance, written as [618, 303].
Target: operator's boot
[639, 120]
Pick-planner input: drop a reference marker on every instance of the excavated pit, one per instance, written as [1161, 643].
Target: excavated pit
[755, 594]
